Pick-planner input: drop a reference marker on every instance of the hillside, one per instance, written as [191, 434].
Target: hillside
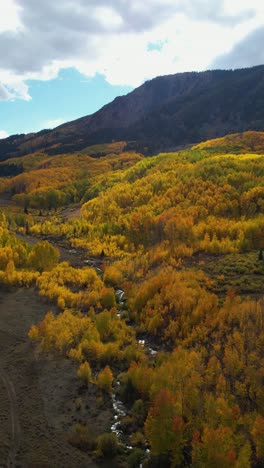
[247, 142]
[168, 111]
[131, 293]
[138, 282]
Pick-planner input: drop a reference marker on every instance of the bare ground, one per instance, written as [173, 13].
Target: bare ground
[38, 393]
[71, 212]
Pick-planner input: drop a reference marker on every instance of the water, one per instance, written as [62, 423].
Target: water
[89, 262]
[119, 408]
[73, 251]
[120, 411]
[120, 299]
[150, 350]
[120, 295]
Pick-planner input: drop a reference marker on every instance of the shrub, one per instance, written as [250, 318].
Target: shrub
[113, 276]
[137, 439]
[43, 256]
[107, 445]
[108, 298]
[139, 411]
[135, 458]
[82, 437]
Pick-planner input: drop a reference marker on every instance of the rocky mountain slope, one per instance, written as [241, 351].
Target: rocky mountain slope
[166, 112]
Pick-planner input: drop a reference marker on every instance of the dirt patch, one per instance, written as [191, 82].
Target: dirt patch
[5, 433]
[46, 389]
[71, 212]
[6, 202]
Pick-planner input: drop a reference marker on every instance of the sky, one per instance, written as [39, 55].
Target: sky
[64, 59]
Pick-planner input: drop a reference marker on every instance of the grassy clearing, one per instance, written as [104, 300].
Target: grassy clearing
[242, 272]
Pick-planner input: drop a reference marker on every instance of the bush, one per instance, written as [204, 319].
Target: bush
[135, 458]
[112, 276]
[108, 298]
[43, 256]
[139, 412]
[107, 445]
[82, 437]
[137, 439]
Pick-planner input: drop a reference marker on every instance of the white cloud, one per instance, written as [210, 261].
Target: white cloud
[111, 37]
[247, 48]
[246, 53]
[50, 124]
[188, 45]
[108, 18]
[233, 7]
[3, 134]
[9, 17]
[4, 93]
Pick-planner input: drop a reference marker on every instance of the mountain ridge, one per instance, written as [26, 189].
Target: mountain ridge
[167, 111]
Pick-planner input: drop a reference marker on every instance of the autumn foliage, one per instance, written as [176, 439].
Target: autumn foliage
[181, 234]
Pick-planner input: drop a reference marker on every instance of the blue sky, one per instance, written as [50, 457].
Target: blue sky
[64, 59]
[67, 97]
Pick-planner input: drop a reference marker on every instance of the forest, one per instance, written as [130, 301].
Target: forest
[164, 313]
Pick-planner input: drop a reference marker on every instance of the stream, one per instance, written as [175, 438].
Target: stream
[118, 406]
[120, 410]
[76, 258]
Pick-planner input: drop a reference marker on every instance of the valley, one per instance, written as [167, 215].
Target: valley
[132, 300]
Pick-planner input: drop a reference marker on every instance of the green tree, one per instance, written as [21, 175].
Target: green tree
[164, 428]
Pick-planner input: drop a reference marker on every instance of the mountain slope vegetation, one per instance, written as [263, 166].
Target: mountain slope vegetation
[181, 237]
[247, 142]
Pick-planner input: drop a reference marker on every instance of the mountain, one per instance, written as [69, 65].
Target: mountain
[166, 112]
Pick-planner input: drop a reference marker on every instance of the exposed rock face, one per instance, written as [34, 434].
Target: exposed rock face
[167, 111]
